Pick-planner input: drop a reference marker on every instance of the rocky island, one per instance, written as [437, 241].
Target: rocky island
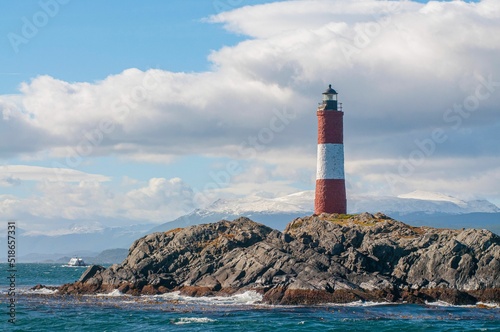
[328, 258]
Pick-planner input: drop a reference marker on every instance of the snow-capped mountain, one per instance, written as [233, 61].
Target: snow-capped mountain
[432, 196]
[75, 228]
[277, 212]
[418, 201]
[296, 202]
[274, 212]
[416, 208]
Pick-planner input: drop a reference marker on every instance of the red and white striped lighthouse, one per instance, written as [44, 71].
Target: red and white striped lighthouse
[330, 183]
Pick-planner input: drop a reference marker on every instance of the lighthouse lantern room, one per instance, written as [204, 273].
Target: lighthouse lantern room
[330, 194]
[330, 98]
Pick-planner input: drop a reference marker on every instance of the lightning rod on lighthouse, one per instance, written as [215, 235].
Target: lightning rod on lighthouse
[330, 194]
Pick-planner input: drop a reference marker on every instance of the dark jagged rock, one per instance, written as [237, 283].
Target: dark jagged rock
[317, 259]
[91, 272]
[42, 287]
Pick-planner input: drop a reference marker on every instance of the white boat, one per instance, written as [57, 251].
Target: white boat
[75, 261]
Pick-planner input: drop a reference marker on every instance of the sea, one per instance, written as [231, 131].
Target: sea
[45, 310]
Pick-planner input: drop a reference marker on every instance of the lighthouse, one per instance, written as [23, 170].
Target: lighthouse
[330, 194]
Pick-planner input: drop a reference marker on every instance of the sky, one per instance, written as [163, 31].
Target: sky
[127, 112]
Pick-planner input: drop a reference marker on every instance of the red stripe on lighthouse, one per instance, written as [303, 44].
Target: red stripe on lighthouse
[330, 127]
[330, 196]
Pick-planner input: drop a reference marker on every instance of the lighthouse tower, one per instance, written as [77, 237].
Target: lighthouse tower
[330, 183]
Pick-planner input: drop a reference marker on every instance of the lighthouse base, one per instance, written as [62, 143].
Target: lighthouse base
[330, 196]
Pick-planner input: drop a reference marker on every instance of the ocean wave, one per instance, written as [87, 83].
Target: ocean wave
[246, 298]
[114, 293]
[361, 303]
[488, 305]
[44, 291]
[193, 320]
[40, 291]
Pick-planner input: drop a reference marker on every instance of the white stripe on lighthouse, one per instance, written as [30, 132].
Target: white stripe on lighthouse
[330, 161]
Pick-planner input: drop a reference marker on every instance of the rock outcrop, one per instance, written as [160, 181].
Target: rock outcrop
[317, 259]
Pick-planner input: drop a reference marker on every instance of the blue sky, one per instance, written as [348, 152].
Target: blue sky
[93, 39]
[89, 40]
[226, 69]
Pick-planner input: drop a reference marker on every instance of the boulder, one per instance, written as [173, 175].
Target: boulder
[91, 272]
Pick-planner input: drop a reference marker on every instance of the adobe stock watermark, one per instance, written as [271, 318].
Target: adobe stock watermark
[367, 33]
[453, 117]
[11, 270]
[122, 107]
[32, 25]
[248, 149]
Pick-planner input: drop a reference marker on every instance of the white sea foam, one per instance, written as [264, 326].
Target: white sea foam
[193, 320]
[477, 305]
[114, 293]
[360, 304]
[246, 298]
[41, 291]
[440, 304]
[488, 305]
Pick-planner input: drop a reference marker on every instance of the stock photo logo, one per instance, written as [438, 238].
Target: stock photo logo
[34, 24]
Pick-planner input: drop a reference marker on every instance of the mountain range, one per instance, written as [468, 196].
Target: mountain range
[418, 208]
[414, 207]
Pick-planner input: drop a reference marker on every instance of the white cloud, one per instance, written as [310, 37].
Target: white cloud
[159, 200]
[14, 174]
[402, 69]
[9, 206]
[9, 181]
